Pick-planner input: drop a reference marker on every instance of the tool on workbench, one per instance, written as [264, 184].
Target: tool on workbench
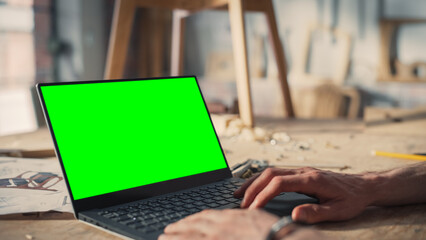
[247, 168]
[418, 157]
[44, 153]
[250, 166]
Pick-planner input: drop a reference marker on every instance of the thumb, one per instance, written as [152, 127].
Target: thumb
[313, 213]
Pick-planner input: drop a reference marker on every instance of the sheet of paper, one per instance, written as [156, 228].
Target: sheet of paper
[32, 185]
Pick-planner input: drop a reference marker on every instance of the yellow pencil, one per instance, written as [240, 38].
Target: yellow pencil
[399, 155]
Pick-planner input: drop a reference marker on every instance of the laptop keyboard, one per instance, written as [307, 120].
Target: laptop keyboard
[153, 215]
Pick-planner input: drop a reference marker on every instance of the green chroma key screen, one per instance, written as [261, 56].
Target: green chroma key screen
[119, 135]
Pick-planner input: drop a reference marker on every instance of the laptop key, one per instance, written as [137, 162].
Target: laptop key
[189, 206]
[222, 202]
[110, 215]
[208, 200]
[229, 205]
[203, 207]
[199, 203]
[123, 218]
[157, 226]
[213, 205]
[150, 222]
[178, 203]
[146, 229]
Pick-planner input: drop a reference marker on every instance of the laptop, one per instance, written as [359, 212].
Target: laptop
[139, 154]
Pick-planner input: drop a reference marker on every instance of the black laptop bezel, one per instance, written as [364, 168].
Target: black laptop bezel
[141, 192]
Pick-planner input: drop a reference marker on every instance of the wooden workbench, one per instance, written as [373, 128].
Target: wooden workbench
[326, 143]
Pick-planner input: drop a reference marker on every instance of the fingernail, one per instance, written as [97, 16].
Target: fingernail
[243, 203]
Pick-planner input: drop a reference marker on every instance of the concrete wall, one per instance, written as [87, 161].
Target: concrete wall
[209, 31]
[81, 28]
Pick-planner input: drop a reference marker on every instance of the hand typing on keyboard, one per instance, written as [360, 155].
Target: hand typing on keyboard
[222, 224]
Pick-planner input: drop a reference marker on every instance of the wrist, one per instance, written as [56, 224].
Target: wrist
[375, 186]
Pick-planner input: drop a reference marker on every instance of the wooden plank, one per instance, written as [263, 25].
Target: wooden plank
[279, 57]
[386, 31]
[178, 34]
[354, 101]
[157, 41]
[236, 15]
[397, 121]
[354, 146]
[182, 4]
[124, 12]
[143, 57]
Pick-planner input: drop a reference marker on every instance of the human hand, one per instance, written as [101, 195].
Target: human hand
[222, 224]
[341, 196]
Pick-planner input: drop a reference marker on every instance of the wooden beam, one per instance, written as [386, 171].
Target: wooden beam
[192, 5]
[178, 34]
[279, 57]
[143, 58]
[157, 41]
[239, 46]
[124, 12]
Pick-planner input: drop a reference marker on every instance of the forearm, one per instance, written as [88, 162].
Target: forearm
[406, 185]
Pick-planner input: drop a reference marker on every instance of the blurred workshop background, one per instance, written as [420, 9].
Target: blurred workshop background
[342, 55]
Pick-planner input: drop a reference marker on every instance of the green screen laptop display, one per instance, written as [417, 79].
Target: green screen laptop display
[119, 135]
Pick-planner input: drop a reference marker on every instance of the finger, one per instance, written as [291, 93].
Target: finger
[270, 191]
[180, 236]
[199, 227]
[302, 183]
[240, 191]
[207, 214]
[260, 183]
[314, 213]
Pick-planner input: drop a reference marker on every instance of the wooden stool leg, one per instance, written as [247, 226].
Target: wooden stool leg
[157, 43]
[279, 56]
[178, 34]
[236, 15]
[124, 12]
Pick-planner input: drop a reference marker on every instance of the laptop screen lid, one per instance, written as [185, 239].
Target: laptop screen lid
[124, 140]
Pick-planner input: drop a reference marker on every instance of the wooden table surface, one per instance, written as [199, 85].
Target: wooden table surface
[327, 143]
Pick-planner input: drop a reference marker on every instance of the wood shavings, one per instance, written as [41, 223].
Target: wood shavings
[329, 145]
[29, 236]
[280, 157]
[281, 137]
[227, 151]
[233, 128]
[247, 135]
[303, 146]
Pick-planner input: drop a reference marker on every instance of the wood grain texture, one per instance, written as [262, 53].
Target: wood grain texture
[391, 68]
[178, 44]
[351, 143]
[122, 25]
[182, 4]
[124, 12]
[239, 47]
[278, 51]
